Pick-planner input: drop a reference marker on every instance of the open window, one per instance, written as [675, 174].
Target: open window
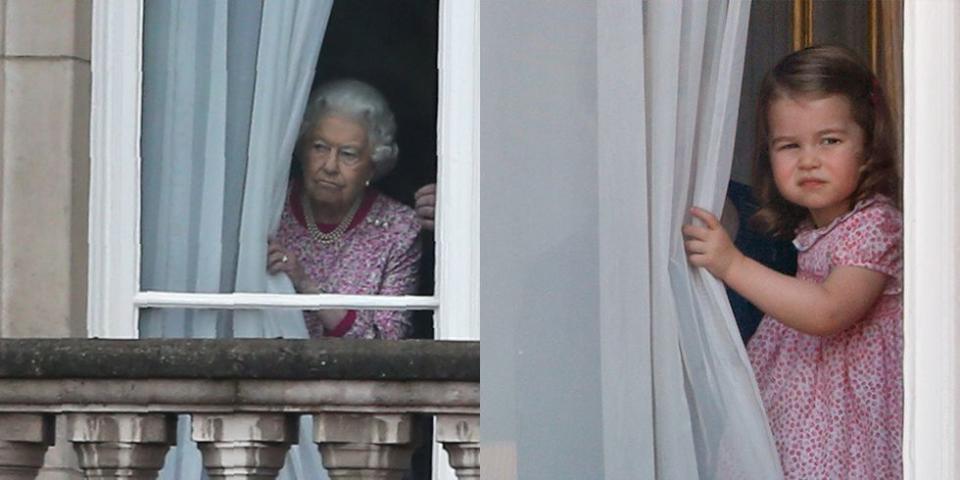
[438, 135]
[442, 152]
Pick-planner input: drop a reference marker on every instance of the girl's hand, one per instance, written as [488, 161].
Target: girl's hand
[280, 260]
[709, 246]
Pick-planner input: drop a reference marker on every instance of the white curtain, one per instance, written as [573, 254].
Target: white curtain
[291, 33]
[669, 78]
[198, 75]
[224, 88]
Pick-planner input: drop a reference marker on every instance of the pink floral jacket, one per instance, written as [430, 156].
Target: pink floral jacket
[378, 254]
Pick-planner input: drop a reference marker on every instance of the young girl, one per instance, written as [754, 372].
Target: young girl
[827, 355]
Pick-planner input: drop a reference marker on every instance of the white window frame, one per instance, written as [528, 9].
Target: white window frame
[932, 248]
[114, 273]
[115, 299]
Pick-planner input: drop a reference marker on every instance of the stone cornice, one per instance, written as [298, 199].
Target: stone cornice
[246, 359]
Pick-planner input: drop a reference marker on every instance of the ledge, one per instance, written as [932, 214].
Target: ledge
[240, 359]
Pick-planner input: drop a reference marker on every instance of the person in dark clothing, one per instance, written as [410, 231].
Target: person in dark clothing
[779, 255]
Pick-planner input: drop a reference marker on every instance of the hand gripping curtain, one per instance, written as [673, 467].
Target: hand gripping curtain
[679, 398]
[224, 89]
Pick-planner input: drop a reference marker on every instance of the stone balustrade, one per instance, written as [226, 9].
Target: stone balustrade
[120, 399]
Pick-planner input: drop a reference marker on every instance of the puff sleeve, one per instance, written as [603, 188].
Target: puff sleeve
[874, 241]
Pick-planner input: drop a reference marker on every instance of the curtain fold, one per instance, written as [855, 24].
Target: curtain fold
[225, 84]
[184, 160]
[290, 37]
[679, 398]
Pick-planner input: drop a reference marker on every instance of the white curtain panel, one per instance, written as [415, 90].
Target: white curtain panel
[291, 34]
[197, 91]
[679, 398]
[225, 85]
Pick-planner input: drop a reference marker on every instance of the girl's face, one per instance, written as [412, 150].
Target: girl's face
[816, 150]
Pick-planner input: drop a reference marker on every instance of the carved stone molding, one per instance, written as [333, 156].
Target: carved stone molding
[460, 436]
[357, 446]
[117, 401]
[24, 439]
[243, 445]
[121, 445]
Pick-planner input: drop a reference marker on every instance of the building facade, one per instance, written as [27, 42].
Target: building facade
[536, 129]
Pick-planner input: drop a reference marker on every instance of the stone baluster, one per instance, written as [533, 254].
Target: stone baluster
[460, 436]
[359, 446]
[121, 445]
[244, 445]
[24, 438]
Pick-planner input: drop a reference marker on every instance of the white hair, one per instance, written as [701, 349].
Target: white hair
[363, 103]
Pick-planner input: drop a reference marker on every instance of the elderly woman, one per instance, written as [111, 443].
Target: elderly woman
[337, 234]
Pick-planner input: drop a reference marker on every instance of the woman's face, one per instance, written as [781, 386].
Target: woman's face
[336, 164]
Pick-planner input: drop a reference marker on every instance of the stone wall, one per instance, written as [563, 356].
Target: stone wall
[44, 165]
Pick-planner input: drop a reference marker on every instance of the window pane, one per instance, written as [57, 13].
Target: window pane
[202, 175]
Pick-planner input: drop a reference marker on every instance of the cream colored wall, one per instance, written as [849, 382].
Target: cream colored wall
[44, 173]
[44, 165]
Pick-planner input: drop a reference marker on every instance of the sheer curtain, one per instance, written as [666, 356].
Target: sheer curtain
[669, 83]
[224, 88]
[290, 37]
[198, 77]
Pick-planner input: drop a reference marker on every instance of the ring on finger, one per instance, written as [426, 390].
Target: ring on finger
[284, 259]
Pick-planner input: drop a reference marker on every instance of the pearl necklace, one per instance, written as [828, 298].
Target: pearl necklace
[336, 233]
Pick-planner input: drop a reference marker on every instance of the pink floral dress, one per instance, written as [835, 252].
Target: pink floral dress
[835, 403]
[378, 254]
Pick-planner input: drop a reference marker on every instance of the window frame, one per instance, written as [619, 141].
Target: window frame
[115, 298]
[931, 245]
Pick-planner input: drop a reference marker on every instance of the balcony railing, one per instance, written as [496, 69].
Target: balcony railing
[121, 398]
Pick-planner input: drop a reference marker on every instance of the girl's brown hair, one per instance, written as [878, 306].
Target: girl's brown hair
[820, 71]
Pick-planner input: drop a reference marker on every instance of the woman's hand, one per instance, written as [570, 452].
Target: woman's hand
[425, 202]
[709, 246]
[280, 260]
